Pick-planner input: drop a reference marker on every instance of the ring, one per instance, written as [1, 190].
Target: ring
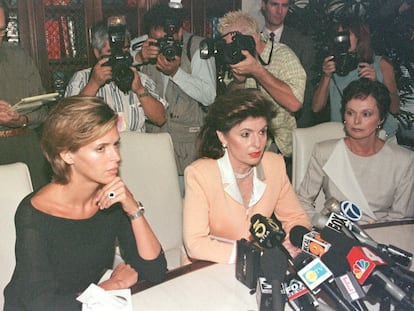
[111, 194]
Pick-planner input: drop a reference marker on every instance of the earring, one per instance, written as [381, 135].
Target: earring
[379, 126]
[344, 121]
[224, 146]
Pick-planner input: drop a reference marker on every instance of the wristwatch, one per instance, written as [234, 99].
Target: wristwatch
[138, 213]
[144, 94]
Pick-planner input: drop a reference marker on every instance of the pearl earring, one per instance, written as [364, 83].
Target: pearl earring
[224, 146]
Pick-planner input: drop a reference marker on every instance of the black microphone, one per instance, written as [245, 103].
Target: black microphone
[388, 252]
[317, 277]
[362, 261]
[274, 264]
[267, 232]
[298, 295]
[365, 265]
[353, 213]
[347, 284]
[335, 260]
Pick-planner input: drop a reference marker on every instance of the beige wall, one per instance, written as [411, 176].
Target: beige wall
[253, 7]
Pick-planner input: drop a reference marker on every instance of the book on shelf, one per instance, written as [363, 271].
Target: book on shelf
[71, 32]
[29, 104]
[63, 29]
[53, 39]
[56, 2]
[60, 37]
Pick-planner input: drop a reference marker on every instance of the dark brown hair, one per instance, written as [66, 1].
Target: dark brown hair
[227, 111]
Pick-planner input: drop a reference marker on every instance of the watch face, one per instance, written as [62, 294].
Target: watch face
[138, 213]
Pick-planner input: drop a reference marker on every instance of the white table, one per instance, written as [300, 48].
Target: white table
[215, 288]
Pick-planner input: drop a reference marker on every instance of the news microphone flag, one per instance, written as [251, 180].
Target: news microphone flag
[314, 245]
[314, 274]
[351, 211]
[362, 262]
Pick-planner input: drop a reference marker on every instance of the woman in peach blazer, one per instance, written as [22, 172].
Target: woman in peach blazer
[235, 179]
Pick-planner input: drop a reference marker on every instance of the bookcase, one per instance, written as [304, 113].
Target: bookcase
[56, 32]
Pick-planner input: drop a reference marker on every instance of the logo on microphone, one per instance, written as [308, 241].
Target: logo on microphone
[351, 211]
[314, 273]
[363, 261]
[359, 268]
[314, 245]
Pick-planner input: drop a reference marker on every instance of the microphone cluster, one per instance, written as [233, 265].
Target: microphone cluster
[340, 262]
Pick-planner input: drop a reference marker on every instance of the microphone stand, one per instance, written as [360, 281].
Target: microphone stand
[385, 303]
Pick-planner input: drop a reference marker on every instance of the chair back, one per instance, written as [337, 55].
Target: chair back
[304, 140]
[149, 169]
[15, 184]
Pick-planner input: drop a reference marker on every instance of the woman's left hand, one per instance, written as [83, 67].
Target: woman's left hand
[116, 191]
[365, 70]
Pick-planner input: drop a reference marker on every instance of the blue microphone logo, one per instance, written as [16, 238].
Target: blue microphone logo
[351, 211]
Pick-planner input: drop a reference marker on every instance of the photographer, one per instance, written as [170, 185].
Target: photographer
[171, 57]
[357, 61]
[132, 95]
[276, 71]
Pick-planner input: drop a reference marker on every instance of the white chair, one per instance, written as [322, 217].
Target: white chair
[303, 141]
[15, 184]
[149, 169]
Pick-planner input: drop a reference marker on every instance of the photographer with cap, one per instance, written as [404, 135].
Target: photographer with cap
[353, 58]
[171, 57]
[276, 71]
[131, 94]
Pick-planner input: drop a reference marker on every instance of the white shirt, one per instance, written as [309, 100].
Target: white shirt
[277, 33]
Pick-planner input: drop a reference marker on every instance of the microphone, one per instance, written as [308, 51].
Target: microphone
[274, 264]
[390, 252]
[309, 241]
[298, 295]
[267, 232]
[345, 208]
[335, 260]
[317, 277]
[364, 263]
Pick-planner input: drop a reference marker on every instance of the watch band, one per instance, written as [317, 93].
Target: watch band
[140, 212]
[144, 94]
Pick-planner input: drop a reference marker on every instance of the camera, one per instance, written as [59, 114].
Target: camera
[119, 60]
[345, 61]
[169, 47]
[228, 53]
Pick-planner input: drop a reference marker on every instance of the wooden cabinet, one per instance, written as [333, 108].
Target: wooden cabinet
[56, 32]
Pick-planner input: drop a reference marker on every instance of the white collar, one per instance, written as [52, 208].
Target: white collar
[230, 183]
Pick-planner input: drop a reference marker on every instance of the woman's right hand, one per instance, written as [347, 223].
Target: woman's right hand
[123, 276]
[328, 66]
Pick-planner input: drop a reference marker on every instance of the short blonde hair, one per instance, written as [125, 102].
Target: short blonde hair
[239, 20]
[73, 123]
